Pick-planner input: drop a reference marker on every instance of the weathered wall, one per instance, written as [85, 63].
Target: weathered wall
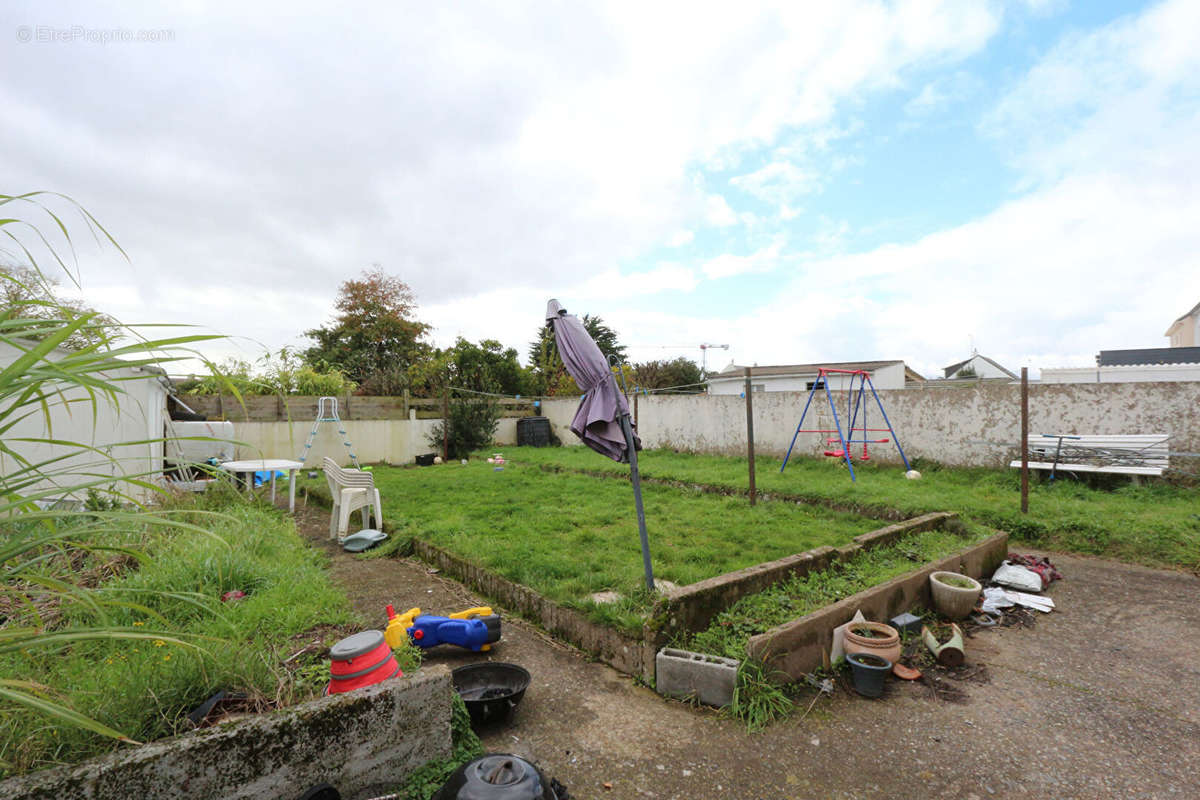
[969, 425]
[363, 743]
[396, 441]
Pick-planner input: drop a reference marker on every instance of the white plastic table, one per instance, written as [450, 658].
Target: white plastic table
[251, 466]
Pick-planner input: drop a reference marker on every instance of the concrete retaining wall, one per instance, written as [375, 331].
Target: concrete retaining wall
[363, 743]
[962, 425]
[691, 608]
[803, 645]
[622, 652]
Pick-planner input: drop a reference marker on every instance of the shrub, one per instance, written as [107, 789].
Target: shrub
[473, 423]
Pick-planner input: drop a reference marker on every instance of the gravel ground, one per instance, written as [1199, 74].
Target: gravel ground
[1100, 699]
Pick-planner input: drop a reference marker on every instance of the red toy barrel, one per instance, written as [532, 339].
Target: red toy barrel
[360, 660]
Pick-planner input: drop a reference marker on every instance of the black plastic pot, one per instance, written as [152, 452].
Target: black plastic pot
[496, 777]
[869, 672]
[491, 690]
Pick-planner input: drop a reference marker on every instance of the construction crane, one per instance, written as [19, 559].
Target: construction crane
[704, 348]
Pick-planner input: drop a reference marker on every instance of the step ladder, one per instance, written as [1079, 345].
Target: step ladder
[327, 411]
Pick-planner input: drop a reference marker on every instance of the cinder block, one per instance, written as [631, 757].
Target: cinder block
[709, 679]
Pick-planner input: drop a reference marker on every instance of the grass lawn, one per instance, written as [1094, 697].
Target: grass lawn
[568, 535]
[1154, 524]
[145, 688]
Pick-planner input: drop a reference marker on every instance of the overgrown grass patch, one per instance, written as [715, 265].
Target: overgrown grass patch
[1155, 524]
[568, 535]
[730, 630]
[145, 688]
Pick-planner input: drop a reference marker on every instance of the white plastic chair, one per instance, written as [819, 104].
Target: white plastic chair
[351, 489]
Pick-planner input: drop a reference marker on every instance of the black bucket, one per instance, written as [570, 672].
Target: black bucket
[491, 690]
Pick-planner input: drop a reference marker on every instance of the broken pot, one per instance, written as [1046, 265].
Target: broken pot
[949, 653]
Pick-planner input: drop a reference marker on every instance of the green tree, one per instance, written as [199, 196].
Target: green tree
[681, 372]
[374, 338]
[285, 372]
[27, 293]
[486, 367]
[548, 376]
[470, 373]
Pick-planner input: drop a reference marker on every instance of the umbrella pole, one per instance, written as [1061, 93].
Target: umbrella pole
[627, 429]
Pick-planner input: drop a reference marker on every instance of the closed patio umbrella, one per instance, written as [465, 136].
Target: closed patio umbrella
[602, 420]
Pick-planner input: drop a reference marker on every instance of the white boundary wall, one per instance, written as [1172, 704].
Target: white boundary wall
[967, 425]
[394, 441]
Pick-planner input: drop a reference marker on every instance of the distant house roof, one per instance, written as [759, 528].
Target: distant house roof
[1149, 355]
[737, 371]
[953, 368]
[1193, 312]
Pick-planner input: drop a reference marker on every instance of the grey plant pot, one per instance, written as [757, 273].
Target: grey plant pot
[869, 671]
[953, 602]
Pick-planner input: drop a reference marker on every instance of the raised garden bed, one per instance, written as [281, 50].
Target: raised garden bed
[463, 519]
[790, 626]
[569, 536]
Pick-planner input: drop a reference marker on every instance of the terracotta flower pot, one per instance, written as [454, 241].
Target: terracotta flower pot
[953, 602]
[886, 642]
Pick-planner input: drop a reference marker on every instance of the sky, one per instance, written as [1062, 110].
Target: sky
[803, 182]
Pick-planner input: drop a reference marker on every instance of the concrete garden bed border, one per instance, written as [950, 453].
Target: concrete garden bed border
[686, 609]
[802, 645]
[363, 743]
[691, 608]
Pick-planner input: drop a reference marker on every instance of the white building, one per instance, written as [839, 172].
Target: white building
[802, 377]
[1133, 366]
[125, 430]
[1185, 331]
[977, 366]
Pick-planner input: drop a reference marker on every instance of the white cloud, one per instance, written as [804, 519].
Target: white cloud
[931, 97]
[941, 93]
[779, 182]
[728, 265]
[680, 238]
[1118, 99]
[465, 150]
[718, 212]
[1103, 254]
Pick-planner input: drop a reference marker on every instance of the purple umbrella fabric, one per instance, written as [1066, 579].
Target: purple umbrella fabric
[596, 420]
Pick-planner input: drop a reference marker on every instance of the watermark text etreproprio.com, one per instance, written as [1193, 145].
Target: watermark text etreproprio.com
[70, 34]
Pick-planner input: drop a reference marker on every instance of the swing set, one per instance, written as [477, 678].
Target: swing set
[856, 403]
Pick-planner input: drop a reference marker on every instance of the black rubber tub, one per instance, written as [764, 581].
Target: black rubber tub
[497, 777]
[491, 690]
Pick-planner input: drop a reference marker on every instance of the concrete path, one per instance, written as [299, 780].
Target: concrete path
[1100, 699]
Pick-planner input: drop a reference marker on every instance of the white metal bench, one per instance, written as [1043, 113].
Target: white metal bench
[351, 489]
[1123, 454]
